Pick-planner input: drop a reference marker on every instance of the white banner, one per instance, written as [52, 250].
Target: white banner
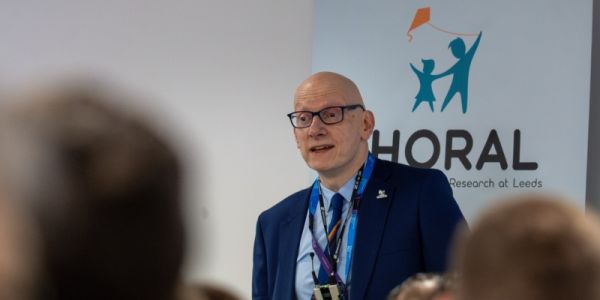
[494, 93]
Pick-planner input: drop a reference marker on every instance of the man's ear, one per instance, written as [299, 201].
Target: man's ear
[368, 125]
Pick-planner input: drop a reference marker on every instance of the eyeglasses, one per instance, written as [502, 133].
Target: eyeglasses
[329, 115]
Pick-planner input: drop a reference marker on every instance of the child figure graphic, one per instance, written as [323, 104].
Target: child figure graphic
[425, 80]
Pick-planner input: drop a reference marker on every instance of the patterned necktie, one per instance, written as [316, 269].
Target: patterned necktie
[337, 202]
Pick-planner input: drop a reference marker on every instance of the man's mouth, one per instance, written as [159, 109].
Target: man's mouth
[321, 148]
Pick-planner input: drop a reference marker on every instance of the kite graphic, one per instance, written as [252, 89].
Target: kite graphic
[423, 16]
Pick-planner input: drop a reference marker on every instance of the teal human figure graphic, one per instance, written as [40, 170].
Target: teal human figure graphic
[460, 71]
[425, 80]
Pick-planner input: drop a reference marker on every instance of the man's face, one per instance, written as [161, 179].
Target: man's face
[330, 149]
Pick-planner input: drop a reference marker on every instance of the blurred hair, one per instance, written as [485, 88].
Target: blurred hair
[207, 291]
[422, 286]
[18, 251]
[105, 190]
[534, 247]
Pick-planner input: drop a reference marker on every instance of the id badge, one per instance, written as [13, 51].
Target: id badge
[327, 292]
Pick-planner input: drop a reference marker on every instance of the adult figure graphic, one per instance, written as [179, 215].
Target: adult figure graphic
[394, 221]
[460, 71]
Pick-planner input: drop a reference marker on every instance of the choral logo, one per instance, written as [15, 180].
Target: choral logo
[459, 86]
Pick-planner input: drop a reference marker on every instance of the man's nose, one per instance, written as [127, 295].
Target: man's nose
[317, 127]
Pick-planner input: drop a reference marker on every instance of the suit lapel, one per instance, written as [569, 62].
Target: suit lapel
[373, 214]
[290, 233]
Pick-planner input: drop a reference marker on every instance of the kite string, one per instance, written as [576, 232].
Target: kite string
[449, 32]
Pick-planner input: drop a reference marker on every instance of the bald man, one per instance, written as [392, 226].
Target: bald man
[365, 224]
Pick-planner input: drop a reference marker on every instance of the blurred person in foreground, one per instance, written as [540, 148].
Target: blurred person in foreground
[18, 251]
[365, 224]
[424, 286]
[534, 247]
[104, 189]
[207, 291]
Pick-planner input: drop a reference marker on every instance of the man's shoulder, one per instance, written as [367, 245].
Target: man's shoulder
[285, 206]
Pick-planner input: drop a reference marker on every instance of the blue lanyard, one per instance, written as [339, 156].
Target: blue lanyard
[359, 188]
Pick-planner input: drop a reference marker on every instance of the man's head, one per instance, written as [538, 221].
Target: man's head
[337, 149]
[104, 189]
[532, 248]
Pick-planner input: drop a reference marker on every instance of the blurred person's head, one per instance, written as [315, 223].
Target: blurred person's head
[535, 247]
[105, 192]
[205, 291]
[424, 286]
[18, 251]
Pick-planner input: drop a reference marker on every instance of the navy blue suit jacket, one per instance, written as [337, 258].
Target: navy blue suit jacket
[400, 235]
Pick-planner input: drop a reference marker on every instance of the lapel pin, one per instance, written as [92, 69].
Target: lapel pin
[381, 194]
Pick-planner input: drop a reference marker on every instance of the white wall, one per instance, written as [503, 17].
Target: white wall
[221, 72]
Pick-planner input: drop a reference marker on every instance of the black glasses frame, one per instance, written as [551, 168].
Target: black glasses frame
[292, 115]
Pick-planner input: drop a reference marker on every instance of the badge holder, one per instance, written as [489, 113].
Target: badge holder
[327, 292]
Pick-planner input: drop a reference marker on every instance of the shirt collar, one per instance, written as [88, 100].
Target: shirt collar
[345, 190]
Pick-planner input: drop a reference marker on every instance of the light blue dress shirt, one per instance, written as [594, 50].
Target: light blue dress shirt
[304, 281]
